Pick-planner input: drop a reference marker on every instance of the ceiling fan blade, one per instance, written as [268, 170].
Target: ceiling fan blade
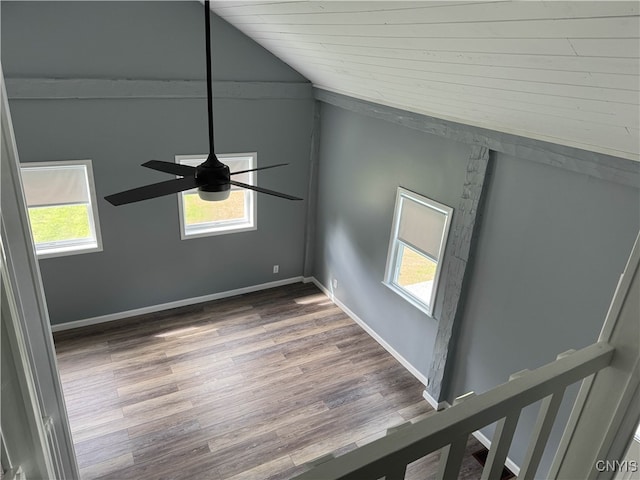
[152, 191]
[259, 168]
[168, 167]
[263, 190]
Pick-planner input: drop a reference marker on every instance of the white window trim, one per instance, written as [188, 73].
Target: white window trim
[72, 247]
[231, 227]
[393, 252]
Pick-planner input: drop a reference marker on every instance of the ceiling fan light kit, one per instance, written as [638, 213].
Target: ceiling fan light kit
[216, 178]
[212, 178]
[214, 196]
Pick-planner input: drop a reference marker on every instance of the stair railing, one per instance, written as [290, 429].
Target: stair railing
[601, 425]
[448, 430]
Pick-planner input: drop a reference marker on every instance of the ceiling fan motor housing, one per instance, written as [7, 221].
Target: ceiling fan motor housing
[214, 181]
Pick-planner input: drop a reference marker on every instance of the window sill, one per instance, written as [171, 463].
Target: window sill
[68, 250]
[218, 231]
[423, 307]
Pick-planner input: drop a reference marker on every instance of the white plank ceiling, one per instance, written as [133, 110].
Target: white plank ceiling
[563, 72]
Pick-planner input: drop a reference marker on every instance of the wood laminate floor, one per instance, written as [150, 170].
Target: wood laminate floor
[249, 387]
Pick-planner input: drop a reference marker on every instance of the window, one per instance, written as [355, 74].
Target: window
[418, 238]
[199, 218]
[62, 207]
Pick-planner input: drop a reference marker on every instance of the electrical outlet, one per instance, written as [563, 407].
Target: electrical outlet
[276, 268]
[335, 283]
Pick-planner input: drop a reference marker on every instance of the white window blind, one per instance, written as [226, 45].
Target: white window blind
[422, 227]
[60, 185]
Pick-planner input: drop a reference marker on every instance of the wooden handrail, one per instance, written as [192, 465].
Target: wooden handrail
[398, 449]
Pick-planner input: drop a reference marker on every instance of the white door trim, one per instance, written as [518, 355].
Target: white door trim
[23, 276]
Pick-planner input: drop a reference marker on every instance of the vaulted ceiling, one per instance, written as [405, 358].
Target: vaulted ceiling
[563, 72]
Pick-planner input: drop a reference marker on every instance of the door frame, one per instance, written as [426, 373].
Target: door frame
[32, 317]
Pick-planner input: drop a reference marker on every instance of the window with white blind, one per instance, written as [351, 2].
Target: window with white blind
[62, 207]
[418, 238]
[200, 218]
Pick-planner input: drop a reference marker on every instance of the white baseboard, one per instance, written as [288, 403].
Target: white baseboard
[510, 464]
[166, 306]
[405, 363]
[432, 401]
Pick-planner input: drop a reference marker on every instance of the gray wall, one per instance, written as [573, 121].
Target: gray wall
[550, 249]
[362, 163]
[150, 40]
[144, 262]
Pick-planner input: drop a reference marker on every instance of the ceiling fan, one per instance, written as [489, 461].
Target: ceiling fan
[212, 178]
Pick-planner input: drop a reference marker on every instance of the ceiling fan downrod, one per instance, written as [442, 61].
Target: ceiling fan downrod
[212, 159]
[214, 174]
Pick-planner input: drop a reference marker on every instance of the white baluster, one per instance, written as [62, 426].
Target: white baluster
[540, 435]
[500, 446]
